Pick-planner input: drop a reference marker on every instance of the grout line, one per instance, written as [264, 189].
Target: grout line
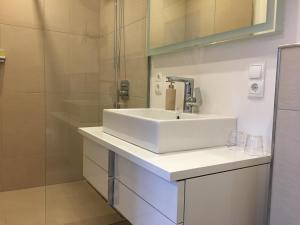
[41, 29]
[131, 23]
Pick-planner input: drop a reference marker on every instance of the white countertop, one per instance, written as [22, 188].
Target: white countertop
[177, 165]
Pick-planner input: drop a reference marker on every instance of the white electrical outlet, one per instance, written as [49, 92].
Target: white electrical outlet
[256, 88]
[256, 80]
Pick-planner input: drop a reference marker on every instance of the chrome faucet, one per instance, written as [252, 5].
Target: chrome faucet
[189, 101]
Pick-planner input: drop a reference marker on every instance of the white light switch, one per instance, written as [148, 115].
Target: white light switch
[256, 71]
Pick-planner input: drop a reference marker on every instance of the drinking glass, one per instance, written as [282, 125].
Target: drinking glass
[236, 138]
[254, 145]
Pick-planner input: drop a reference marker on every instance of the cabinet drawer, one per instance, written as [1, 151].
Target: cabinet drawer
[96, 176]
[166, 197]
[96, 152]
[135, 209]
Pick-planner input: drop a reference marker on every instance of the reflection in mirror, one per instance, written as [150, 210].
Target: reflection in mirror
[176, 21]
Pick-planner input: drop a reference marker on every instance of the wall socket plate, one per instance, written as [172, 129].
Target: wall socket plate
[256, 88]
[256, 80]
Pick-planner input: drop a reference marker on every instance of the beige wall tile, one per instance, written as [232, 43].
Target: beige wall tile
[24, 68]
[107, 88]
[84, 57]
[92, 82]
[28, 13]
[23, 125]
[135, 10]
[57, 65]
[106, 17]
[138, 76]
[85, 17]
[136, 102]
[136, 39]
[58, 140]
[76, 83]
[106, 102]
[64, 154]
[23, 172]
[57, 15]
[107, 47]
[107, 72]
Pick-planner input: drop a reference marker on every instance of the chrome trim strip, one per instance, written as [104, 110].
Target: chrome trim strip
[111, 178]
[289, 46]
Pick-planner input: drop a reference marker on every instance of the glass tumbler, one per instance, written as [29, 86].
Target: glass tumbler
[254, 145]
[236, 138]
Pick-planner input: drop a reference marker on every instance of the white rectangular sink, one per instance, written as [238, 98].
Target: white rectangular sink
[163, 131]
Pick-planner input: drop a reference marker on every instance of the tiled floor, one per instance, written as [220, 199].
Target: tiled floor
[63, 204]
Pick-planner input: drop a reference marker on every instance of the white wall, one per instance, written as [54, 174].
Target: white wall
[222, 73]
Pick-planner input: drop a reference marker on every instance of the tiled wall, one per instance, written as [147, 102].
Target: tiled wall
[135, 67]
[72, 68]
[22, 98]
[58, 77]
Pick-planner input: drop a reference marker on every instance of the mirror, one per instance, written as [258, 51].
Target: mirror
[173, 24]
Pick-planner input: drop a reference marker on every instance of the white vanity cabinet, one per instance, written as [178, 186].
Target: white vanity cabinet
[95, 166]
[232, 197]
[166, 198]
[238, 197]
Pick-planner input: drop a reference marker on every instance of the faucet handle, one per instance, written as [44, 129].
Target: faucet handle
[195, 102]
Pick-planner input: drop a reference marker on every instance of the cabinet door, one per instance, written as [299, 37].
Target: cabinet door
[238, 197]
[166, 197]
[135, 209]
[96, 153]
[96, 176]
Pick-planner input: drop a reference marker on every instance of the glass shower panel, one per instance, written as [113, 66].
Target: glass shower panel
[134, 62]
[74, 99]
[22, 114]
[81, 81]
[61, 80]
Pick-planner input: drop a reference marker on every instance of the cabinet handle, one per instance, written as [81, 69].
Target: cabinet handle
[111, 178]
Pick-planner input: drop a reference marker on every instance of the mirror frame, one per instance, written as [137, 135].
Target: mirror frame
[270, 26]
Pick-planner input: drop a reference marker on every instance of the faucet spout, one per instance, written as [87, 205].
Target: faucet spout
[188, 91]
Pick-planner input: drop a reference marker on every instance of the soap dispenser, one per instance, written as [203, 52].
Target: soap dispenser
[170, 97]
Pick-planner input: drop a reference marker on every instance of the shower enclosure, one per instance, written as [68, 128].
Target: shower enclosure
[65, 62]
